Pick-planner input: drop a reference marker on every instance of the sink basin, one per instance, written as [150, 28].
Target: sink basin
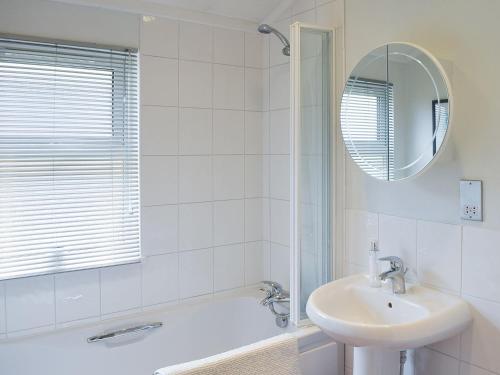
[351, 311]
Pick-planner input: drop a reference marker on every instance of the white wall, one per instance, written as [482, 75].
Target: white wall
[419, 219]
[201, 169]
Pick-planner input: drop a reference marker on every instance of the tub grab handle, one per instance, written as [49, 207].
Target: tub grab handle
[125, 331]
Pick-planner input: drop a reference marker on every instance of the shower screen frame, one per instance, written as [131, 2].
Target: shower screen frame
[326, 272]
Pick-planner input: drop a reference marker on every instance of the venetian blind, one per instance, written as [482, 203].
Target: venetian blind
[69, 185]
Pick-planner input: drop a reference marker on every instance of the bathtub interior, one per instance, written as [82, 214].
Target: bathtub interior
[190, 331]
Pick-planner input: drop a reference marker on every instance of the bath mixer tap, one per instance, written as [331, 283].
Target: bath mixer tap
[276, 294]
[396, 274]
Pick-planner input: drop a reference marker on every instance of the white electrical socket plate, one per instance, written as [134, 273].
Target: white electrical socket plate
[471, 207]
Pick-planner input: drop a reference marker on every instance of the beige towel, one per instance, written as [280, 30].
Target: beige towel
[275, 356]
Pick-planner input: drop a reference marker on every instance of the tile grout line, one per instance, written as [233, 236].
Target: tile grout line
[212, 72]
[244, 159]
[178, 292]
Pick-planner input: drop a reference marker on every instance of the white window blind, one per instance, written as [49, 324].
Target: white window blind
[368, 122]
[69, 185]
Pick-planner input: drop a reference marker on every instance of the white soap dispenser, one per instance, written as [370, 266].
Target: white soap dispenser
[373, 265]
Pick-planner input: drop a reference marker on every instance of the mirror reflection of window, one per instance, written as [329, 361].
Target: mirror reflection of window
[439, 122]
[365, 104]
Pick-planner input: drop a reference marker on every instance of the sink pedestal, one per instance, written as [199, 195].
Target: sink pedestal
[375, 361]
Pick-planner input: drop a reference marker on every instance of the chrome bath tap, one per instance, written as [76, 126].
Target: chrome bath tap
[396, 274]
[276, 294]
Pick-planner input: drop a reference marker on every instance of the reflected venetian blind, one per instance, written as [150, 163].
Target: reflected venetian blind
[440, 119]
[367, 117]
[69, 193]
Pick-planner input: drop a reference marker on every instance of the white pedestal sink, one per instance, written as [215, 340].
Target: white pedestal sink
[379, 323]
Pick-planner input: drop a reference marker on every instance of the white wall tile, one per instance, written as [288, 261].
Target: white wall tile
[195, 84]
[254, 85]
[280, 87]
[159, 81]
[253, 219]
[449, 346]
[280, 264]
[160, 279]
[481, 263]
[29, 302]
[254, 183]
[195, 179]
[78, 295]
[229, 177]
[159, 227]
[266, 175]
[467, 369]
[228, 87]
[195, 42]
[280, 222]
[266, 219]
[257, 262]
[229, 46]
[159, 37]
[280, 176]
[196, 273]
[308, 16]
[321, 2]
[330, 14]
[120, 288]
[361, 229]
[429, 362]
[255, 133]
[439, 255]
[158, 180]
[398, 236]
[266, 90]
[279, 131]
[480, 342]
[159, 130]
[195, 226]
[254, 48]
[2, 307]
[229, 132]
[195, 131]
[229, 267]
[300, 6]
[228, 222]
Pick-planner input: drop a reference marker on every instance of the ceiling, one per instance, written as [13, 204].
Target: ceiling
[250, 10]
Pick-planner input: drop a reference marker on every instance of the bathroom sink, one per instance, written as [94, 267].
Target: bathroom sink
[351, 311]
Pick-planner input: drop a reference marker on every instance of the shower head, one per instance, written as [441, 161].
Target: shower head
[266, 29]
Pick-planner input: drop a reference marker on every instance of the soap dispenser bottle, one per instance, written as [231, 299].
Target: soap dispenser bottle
[373, 265]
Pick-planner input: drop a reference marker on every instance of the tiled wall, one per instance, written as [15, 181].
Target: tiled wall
[325, 13]
[457, 259]
[202, 187]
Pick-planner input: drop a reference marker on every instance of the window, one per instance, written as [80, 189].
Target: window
[370, 124]
[439, 121]
[69, 184]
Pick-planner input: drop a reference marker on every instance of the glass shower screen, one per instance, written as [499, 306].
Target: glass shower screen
[311, 170]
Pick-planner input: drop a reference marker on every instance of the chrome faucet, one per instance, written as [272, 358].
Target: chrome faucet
[276, 294]
[396, 274]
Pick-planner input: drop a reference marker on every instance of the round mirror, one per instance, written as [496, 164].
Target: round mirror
[395, 111]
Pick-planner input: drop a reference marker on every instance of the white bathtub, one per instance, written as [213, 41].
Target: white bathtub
[190, 331]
